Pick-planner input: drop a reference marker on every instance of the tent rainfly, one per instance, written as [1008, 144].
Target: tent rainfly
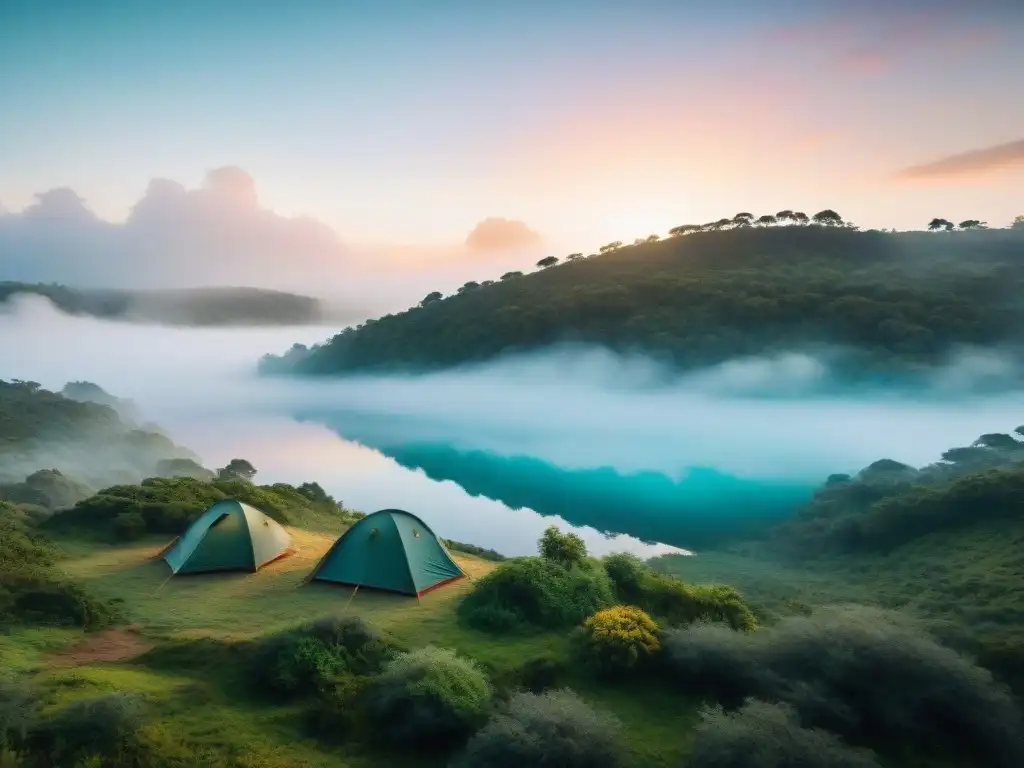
[390, 550]
[229, 536]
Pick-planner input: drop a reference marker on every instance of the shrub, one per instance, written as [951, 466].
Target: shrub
[673, 600]
[31, 588]
[532, 591]
[338, 709]
[553, 728]
[763, 735]
[129, 526]
[565, 549]
[540, 674]
[871, 676]
[619, 638]
[305, 660]
[103, 726]
[18, 709]
[429, 698]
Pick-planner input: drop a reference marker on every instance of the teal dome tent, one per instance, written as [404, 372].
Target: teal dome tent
[390, 550]
[229, 536]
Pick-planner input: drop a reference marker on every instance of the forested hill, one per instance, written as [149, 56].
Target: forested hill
[901, 300]
[186, 307]
[88, 444]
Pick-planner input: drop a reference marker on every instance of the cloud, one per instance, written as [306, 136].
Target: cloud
[498, 234]
[974, 162]
[173, 237]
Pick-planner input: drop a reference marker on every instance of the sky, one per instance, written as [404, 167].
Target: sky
[394, 130]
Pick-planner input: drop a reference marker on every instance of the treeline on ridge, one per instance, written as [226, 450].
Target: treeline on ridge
[899, 300]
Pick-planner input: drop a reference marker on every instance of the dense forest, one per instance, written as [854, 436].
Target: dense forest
[894, 301]
[188, 307]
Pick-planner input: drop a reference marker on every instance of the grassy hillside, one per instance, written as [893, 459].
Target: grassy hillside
[88, 443]
[945, 542]
[898, 301]
[191, 307]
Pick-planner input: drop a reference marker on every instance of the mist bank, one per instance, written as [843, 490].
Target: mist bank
[195, 307]
[619, 442]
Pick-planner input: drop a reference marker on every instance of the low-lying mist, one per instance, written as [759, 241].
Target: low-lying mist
[616, 443]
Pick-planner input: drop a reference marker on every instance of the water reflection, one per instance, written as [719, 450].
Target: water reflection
[284, 450]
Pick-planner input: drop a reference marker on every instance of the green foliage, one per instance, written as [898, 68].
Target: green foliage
[309, 659]
[429, 698]
[764, 735]
[674, 601]
[168, 505]
[32, 590]
[899, 302]
[556, 728]
[565, 549]
[536, 592]
[104, 727]
[890, 504]
[619, 639]
[540, 674]
[340, 708]
[830, 668]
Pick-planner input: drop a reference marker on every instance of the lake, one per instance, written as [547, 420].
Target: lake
[495, 454]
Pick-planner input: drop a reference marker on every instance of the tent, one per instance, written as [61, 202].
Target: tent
[229, 536]
[390, 550]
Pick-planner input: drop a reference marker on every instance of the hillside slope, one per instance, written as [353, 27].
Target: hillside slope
[899, 300]
[89, 444]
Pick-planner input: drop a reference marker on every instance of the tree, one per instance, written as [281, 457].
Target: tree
[574, 257]
[1018, 222]
[639, 241]
[653, 238]
[563, 548]
[937, 224]
[827, 218]
[999, 442]
[613, 246]
[684, 229]
[767, 220]
[430, 298]
[742, 219]
[800, 218]
[971, 224]
[511, 275]
[237, 469]
[785, 215]
[470, 286]
[547, 261]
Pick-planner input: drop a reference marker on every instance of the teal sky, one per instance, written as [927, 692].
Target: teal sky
[409, 122]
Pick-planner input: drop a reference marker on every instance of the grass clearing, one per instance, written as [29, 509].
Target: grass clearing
[204, 700]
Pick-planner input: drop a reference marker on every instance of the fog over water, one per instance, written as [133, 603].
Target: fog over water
[603, 442]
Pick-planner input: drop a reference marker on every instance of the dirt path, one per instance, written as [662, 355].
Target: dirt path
[114, 644]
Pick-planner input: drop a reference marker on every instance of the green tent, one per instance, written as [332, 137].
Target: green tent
[389, 550]
[229, 536]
